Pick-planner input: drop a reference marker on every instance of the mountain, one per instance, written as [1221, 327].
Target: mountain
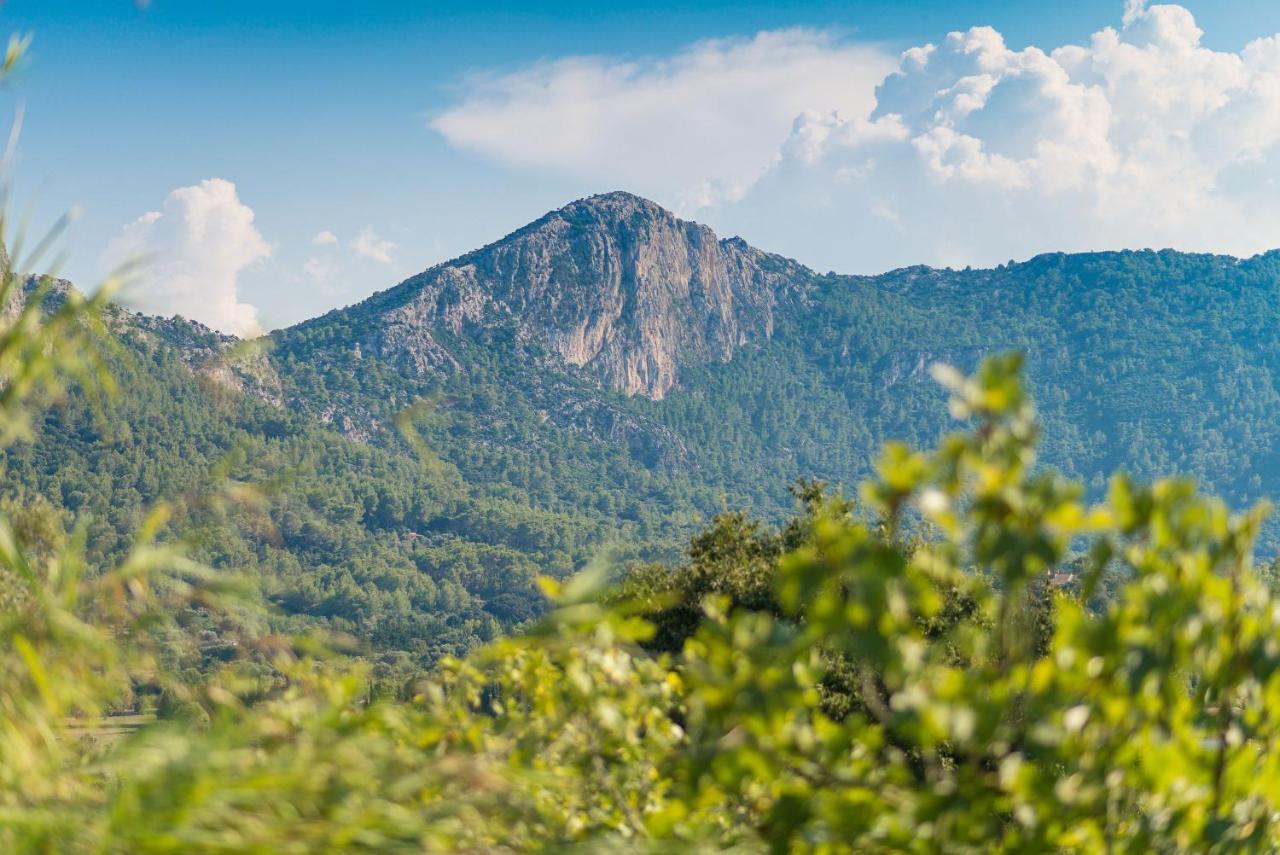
[601, 381]
[741, 370]
[613, 284]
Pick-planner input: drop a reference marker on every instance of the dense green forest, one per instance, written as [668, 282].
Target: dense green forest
[389, 545]
[1150, 362]
[411, 507]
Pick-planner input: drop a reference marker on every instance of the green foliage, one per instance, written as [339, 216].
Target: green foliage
[1148, 362]
[1146, 724]
[733, 558]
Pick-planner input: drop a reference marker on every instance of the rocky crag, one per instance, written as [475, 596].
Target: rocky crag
[612, 284]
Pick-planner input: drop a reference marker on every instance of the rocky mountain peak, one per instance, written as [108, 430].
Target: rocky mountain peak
[615, 207]
[613, 284]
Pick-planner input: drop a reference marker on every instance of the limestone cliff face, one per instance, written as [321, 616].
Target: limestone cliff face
[613, 284]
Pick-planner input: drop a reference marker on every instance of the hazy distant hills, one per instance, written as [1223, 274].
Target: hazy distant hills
[608, 376]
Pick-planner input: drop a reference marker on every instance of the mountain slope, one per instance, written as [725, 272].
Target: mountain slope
[397, 549]
[1154, 362]
[613, 284]
[602, 380]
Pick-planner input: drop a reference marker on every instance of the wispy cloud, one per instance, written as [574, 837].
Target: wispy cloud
[688, 129]
[369, 245]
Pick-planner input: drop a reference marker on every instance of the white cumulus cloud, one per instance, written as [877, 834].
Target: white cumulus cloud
[975, 153]
[324, 238]
[369, 245]
[693, 128]
[192, 253]
[961, 152]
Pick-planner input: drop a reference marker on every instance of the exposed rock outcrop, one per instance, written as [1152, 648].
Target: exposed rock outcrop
[225, 361]
[613, 284]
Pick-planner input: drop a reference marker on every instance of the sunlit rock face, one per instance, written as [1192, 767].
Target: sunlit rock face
[613, 284]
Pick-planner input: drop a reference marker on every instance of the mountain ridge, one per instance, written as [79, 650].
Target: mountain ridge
[612, 283]
[635, 352]
[463, 454]
[646, 309]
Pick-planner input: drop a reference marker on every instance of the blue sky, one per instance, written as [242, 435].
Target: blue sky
[368, 141]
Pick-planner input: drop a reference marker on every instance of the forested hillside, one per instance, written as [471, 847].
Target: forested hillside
[1145, 361]
[394, 547]
[1148, 362]
[601, 382]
